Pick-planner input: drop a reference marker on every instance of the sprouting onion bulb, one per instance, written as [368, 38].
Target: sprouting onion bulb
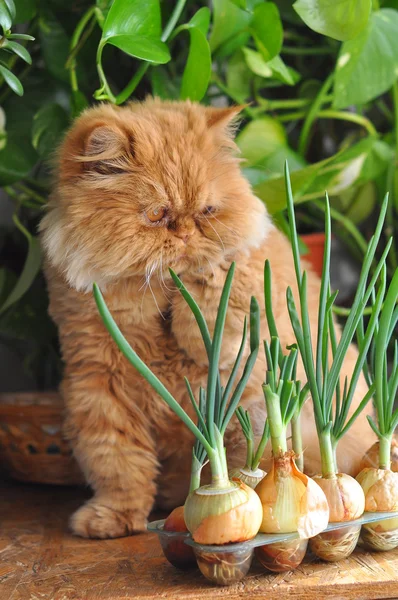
[250, 473]
[380, 483]
[174, 548]
[224, 511]
[292, 502]
[322, 367]
[371, 456]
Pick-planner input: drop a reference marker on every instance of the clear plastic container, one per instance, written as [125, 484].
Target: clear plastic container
[174, 547]
[225, 565]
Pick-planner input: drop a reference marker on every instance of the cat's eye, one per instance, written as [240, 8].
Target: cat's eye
[156, 214]
[209, 210]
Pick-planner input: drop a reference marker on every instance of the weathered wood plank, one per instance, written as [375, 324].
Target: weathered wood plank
[41, 560]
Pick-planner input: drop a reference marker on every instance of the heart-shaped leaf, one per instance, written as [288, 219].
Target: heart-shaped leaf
[15, 164]
[260, 138]
[341, 20]
[367, 65]
[336, 174]
[256, 63]
[49, 123]
[228, 22]
[135, 28]
[148, 49]
[196, 76]
[201, 20]
[54, 46]
[266, 29]
[238, 77]
[25, 10]
[29, 272]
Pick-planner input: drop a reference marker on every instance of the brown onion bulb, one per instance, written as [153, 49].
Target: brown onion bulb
[346, 502]
[371, 457]
[179, 554]
[223, 515]
[250, 478]
[291, 501]
[380, 487]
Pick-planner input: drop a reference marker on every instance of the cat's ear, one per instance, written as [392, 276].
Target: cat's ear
[106, 150]
[222, 117]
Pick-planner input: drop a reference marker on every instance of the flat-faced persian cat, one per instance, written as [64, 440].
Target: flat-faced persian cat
[141, 188]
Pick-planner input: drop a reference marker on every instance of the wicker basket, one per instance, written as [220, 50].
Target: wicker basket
[32, 447]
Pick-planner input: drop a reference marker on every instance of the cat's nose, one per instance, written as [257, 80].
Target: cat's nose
[184, 235]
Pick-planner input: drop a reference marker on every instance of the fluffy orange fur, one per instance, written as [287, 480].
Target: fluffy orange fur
[118, 169]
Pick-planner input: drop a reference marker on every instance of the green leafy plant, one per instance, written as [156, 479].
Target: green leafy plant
[319, 85]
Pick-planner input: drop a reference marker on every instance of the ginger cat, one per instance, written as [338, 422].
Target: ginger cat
[141, 188]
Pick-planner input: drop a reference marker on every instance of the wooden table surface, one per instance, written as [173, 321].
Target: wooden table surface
[41, 560]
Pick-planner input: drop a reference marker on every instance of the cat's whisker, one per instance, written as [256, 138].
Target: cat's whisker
[211, 267]
[148, 275]
[235, 233]
[216, 232]
[162, 275]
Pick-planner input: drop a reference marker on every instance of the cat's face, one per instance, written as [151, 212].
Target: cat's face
[145, 187]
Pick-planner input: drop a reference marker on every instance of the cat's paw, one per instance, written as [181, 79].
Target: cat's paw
[95, 520]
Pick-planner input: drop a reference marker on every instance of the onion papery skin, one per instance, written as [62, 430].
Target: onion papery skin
[371, 458]
[249, 477]
[344, 495]
[175, 521]
[346, 503]
[380, 487]
[179, 554]
[219, 516]
[282, 556]
[292, 502]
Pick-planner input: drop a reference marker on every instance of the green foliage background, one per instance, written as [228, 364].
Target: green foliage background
[319, 80]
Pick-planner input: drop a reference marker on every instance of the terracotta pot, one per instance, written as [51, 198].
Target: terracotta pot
[32, 446]
[315, 243]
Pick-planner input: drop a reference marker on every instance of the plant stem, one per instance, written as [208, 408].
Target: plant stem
[385, 452]
[142, 69]
[172, 22]
[375, 5]
[293, 116]
[327, 454]
[74, 44]
[348, 116]
[134, 81]
[297, 442]
[276, 426]
[260, 449]
[31, 193]
[311, 116]
[196, 471]
[334, 449]
[249, 454]
[101, 74]
[218, 463]
[395, 104]
[297, 51]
